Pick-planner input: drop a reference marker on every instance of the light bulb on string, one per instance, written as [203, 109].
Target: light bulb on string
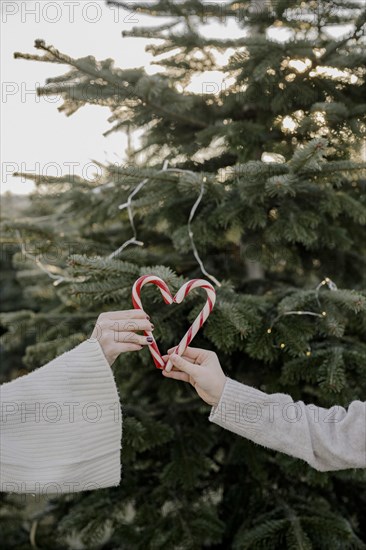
[283, 346]
[326, 281]
[312, 313]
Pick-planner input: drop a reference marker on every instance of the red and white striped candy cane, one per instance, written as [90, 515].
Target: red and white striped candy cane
[169, 299]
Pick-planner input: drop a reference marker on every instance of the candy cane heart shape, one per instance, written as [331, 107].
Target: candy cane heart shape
[177, 299]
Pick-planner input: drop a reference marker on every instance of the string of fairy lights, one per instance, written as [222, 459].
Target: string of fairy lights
[57, 279]
[325, 282]
[36, 258]
[134, 241]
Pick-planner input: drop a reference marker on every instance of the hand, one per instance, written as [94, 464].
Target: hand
[115, 332]
[202, 369]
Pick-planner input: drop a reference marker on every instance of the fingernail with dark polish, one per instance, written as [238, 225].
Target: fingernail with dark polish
[149, 339]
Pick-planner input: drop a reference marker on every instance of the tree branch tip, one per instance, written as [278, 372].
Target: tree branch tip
[39, 43]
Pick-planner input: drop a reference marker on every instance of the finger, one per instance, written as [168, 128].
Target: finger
[176, 375]
[128, 325]
[192, 353]
[134, 313]
[166, 357]
[185, 366]
[129, 346]
[131, 337]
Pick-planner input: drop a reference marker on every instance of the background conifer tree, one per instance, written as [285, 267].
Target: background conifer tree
[278, 153]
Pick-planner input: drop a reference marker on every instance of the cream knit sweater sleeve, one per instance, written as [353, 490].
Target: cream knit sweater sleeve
[327, 439]
[61, 425]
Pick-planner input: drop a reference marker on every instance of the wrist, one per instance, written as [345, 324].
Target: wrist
[220, 389]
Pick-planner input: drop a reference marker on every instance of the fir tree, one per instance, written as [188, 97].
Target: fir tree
[279, 236]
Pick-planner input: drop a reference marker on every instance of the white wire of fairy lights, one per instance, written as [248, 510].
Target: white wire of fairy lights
[330, 284]
[326, 281]
[128, 205]
[60, 278]
[57, 279]
[133, 240]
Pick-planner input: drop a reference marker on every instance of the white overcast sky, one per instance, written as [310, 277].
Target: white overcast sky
[35, 136]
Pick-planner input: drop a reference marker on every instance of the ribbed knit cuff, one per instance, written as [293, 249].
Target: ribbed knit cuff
[61, 425]
[240, 409]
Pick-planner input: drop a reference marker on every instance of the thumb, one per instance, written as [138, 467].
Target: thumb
[183, 365]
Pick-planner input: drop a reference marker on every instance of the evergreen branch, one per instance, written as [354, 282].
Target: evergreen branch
[107, 76]
[359, 28]
[46, 269]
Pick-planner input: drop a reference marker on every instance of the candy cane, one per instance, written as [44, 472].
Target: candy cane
[169, 299]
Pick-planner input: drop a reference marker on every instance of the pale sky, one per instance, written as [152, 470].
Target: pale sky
[35, 136]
